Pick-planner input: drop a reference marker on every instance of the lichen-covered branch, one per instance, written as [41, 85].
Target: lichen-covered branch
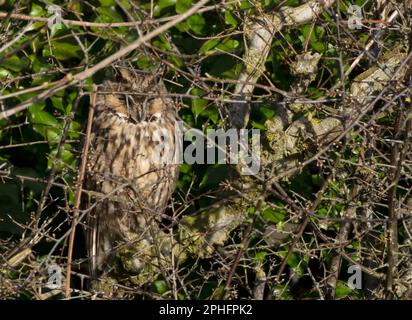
[259, 33]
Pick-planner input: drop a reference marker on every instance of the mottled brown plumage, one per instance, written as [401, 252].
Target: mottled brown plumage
[131, 162]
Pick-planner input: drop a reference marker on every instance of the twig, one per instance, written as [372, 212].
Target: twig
[398, 157]
[342, 238]
[79, 188]
[242, 249]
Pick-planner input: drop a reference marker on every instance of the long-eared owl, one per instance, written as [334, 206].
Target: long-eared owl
[131, 164]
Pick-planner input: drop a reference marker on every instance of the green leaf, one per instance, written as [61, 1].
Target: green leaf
[144, 62]
[161, 43]
[107, 3]
[63, 51]
[257, 125]
[185, 168]
[4, 74]
[228, 45]
[183, 5]
[37, 11]
[196, 23]
[67, 159]
[39, 65]
[57, 29]
[15, 63]
[74, 130]
[162, 4]
[294, 260]
[44, 123]
[182, 27]
[292, 3]
[271, 215]
[108, 14]
[161, 286]
[208, 45]
[177, 61]
[198, 105]
[246, 4]
[316, 39]
[342, 290]
[267, 110]
[58, 103]
[260, 256]
[230, 19]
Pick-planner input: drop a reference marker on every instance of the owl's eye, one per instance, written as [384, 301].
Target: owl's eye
[124, 104]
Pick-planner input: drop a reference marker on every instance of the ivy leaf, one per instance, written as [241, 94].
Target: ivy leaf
[294, 260]
[67, 159]
[58, 103]
[108, 14]
[5, 74]
[271, 215]
[228, 45]
[267, 110]
[183, 5]
[342, 290]
[107, 3]
[208, 46]
[37, 10]
[257, 125]
[196, 23]
[74, 130]
[63, 51]
[161, 286]
[260, 256]
[15, 63]
[162, 4]
[198, 105]
[185, 168]
[57, 29]
[230, 19]
[44, 123]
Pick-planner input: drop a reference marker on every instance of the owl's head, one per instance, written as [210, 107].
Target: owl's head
[140, 96]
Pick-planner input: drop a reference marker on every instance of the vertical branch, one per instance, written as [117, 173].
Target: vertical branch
[396, 162]
[79, 189]
[336, 263]
[392, 246]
